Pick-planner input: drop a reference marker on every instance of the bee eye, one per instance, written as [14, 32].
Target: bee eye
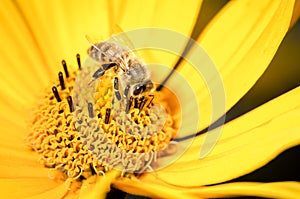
[138, 89]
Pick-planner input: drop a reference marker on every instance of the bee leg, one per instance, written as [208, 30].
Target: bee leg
[116, 88]
[128, 105]
[100, 72]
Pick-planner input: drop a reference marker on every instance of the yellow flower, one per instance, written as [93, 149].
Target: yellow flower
[242, 40]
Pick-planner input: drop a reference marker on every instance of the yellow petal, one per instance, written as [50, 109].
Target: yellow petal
[245, 144]
[21, 175]
[57, 192]
[60, 28]
[268, 190]
[20, 56]
[171, 15]
[163, 190]
[28, 187]
[174, 16]
[154, 190]
[242, 40]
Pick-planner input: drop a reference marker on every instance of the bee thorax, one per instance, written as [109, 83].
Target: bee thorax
[137, 73]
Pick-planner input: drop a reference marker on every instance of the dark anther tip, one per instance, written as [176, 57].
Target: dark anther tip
[136, 102]
[107, 115]
[78, 60]
[129, 104]
[65, 68]
[91, 110]
[56, 94]
[61, 80]
[70, 102]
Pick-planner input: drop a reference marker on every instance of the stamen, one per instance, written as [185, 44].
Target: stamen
[107, 115]
[136, 102]
[70, 102]
[143, 101]
[91, 110]
[129, 104]
[116, 87]
[126, 90]
[56, 94]
[61, 80]
[149, 105]
[148, 160]
[118, 95]
[78, 61]
[65, 68]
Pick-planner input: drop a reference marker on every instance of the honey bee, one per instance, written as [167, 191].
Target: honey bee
[132, 78]
[132, 86]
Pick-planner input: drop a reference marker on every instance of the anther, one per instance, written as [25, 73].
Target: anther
[61, 80]
[143, 101]
[136, 102]
[149, 105]
[129, 104]
[107, 115]
[56, 94]
[116, 83]
[118, 95]
[65, 68]
[116, 87]
[126, 91]
[78, 61]
[70, 102]
[91, 110]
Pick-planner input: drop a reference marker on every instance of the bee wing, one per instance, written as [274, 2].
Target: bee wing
[94, 45]
[119, 37]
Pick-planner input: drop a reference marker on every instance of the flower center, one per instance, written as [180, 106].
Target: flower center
[77, 146]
